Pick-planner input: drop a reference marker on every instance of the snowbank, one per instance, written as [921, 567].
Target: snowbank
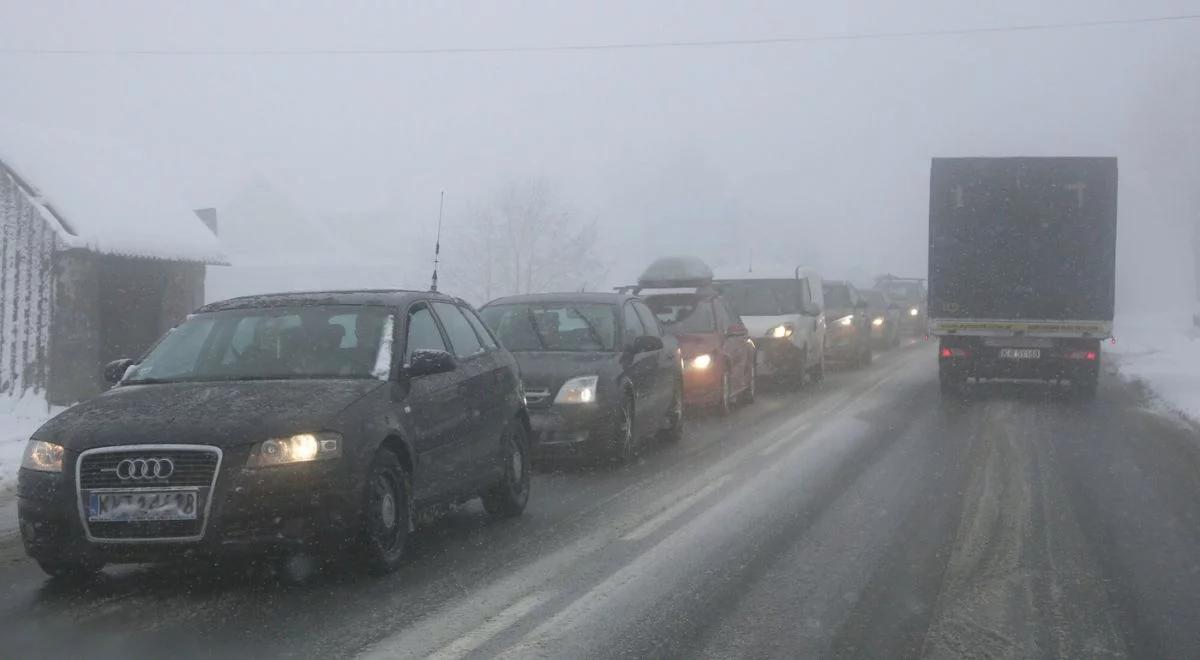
[1162, 351]
[18, 419]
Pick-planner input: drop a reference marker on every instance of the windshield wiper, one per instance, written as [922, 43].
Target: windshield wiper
[591, 330]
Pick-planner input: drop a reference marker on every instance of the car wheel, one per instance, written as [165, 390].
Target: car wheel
[70, 570]
[509, 497]
[387, 513]
[622, 441]
[725, 404]
[674, 429]
[751, 387]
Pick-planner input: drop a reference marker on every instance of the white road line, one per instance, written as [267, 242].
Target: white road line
[472, 640]
[650, 526]
[776, 445]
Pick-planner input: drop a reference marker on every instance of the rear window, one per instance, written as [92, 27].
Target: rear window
[683, 313]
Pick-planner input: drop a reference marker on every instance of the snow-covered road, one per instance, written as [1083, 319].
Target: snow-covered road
[864, 518]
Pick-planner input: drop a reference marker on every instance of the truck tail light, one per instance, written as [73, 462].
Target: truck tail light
[1089, 356]
[948, 352]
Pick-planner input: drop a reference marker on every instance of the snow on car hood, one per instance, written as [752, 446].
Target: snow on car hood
[224, 414]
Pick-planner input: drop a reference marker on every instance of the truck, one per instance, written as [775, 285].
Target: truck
[1022, 268]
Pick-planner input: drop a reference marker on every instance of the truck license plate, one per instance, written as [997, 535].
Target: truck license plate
[1020, 353]
[133, 506]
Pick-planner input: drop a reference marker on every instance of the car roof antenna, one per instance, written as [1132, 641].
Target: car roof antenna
[437, 245]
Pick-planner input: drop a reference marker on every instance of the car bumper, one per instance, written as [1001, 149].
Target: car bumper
[843, 346]
[702, 387]
[571, 431]
[778, 357]
[252, 512]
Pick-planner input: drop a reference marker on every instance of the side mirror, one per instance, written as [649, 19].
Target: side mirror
[737, 330]
[811, 309]
[646, 344]
[114, 371]
[428, 363]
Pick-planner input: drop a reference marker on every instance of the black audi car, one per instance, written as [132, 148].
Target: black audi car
[599, 372]
[280, 423]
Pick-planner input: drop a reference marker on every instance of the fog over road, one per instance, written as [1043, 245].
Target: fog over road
[866, 517]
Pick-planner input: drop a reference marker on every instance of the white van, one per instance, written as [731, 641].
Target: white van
[784, 311]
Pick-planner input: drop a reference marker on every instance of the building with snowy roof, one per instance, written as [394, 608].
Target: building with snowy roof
[97, 260]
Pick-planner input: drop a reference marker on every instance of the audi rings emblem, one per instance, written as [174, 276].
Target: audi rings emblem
[135, 469]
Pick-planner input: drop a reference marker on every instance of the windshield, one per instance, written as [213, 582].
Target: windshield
[262, 344]
[874, 298]
[906, 291]
[553, 326]
[683, 313]
[763, 297]
[836, 295]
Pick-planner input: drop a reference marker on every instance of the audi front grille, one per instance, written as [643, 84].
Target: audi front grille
[135, 467]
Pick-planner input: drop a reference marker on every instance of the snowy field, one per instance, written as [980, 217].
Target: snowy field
[18, 419]
[1163, 352]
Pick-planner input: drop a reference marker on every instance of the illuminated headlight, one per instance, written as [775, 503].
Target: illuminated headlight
[845, 321]
[701, 361]
[42, 456]
[578, 390]
[300, 448]
[781, 331]
[913, 311]
[877, 321]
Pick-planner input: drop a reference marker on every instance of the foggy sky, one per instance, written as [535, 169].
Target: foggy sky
[799, 152]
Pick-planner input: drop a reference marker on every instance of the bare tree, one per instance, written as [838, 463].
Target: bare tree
[524, 241]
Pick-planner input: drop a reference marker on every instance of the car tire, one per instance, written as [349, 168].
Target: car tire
[70, 570]
[952, 384]
[1085, 388]
[674, 429]
[751, 386]
[509, 496]
[725, 404]
[623, 434]
[387, 513]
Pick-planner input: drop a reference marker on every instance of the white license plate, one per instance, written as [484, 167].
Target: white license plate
[1021, 353]
[139, 505]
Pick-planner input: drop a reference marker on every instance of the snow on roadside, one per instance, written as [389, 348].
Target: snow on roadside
[1163, 352]
[19, 417]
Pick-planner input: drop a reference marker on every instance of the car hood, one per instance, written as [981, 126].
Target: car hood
[835, 313]
[224, 414]
[691, 345]
[759, 325]
[550, 369]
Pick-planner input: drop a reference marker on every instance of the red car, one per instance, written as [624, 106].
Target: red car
[718, 354]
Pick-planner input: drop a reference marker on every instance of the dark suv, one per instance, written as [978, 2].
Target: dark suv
[279, 422]
[848, 338]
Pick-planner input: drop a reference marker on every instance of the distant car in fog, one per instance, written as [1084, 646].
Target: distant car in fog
[279, 424]
[848, 338]
[785, 319]
[911, 295]
[598, 372]
[718, 355]
[884, 314]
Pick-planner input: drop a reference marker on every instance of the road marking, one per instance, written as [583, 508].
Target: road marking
[650, 526]
[776, 445]
[472, 640]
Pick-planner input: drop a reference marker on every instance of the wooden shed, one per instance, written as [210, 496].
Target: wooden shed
[97, 260]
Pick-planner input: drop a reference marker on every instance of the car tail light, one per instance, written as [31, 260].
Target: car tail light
[948, 352]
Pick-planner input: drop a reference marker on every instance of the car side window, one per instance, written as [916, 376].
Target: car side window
[463, 340]
[481, 330]
[423, 333]
[649, 320]
[633, 325]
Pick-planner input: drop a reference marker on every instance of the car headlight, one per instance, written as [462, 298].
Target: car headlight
[701, 361]
[913, 311]
[877, 321]
[42, 456]
[845, 321]
[581, 389]
[300, 448]
[781, 331]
